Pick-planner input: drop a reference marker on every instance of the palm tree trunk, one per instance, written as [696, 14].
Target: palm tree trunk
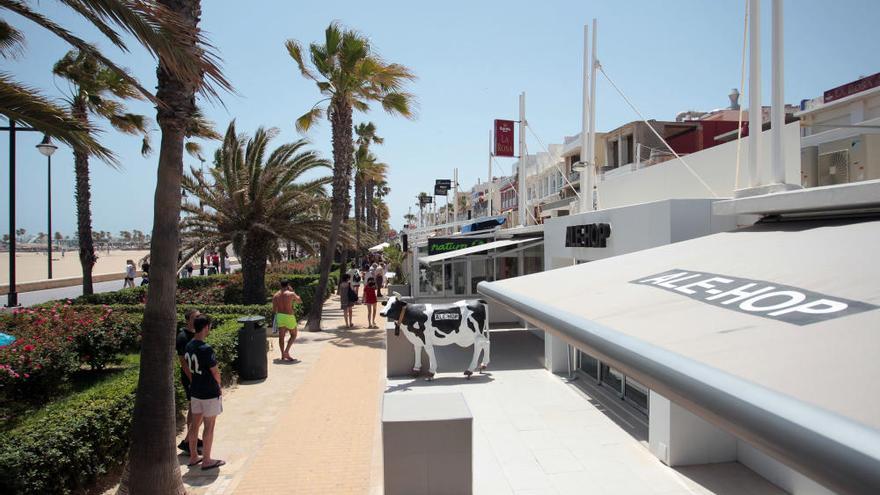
[371, 209]
[340, 119]
[254, 254]
[83, 193]
[358, 209]
[152, 465]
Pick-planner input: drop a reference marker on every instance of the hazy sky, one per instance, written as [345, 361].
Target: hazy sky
[472, 59]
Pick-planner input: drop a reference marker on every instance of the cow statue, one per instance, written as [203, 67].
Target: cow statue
[427, 325]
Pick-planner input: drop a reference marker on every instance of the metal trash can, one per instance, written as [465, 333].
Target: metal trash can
[253, 362]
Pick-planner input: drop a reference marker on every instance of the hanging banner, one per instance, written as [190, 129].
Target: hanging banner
[503, 137]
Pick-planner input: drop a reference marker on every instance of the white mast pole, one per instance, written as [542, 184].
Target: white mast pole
[455, 201]
[755, 112]
[777, 110]
[522, 159]
[594, 67]
[585, 183]
[489, 181]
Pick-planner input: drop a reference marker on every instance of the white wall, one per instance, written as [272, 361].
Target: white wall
[716, 166]
[634, 228]
[776, 472]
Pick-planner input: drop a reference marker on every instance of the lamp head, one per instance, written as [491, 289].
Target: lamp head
[578, 166]
[46, 147]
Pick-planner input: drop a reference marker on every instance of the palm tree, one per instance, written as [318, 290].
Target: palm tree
[97, 90]
[374, 174]
[255, 200]
[366, 135]
[152, 465]
[350, 77]
[163, 33]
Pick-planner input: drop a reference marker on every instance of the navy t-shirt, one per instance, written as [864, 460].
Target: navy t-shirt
[200, 359]
[183, 338]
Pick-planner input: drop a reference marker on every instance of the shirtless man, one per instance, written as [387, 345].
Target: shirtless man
[282, 305]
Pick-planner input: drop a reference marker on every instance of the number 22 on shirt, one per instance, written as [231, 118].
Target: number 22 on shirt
[193, 363]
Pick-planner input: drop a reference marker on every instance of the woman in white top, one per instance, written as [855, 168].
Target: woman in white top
[130, 272]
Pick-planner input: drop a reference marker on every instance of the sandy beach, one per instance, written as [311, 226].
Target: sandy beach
[30, 267]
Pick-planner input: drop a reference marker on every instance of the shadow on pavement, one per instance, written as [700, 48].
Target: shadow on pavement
[440, 381]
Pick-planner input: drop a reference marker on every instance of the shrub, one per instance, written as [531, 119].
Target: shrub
[133, 295]
[53, 341]
[224, 340]
[201, 281]
[70, 442]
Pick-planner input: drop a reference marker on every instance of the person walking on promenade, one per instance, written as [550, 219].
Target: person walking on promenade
[355, 275]
[188, 269]
[129, 274]
[370, 300]
[183, 337]
[347, 298]
[206, 402]
[379, 275]
[285, 320]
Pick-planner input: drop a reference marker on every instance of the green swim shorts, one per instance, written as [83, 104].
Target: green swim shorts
[283, 320]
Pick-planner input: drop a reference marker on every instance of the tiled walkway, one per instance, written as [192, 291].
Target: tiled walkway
[536, 434]
[310, 427]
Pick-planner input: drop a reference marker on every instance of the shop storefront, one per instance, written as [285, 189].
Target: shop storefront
[449, 268]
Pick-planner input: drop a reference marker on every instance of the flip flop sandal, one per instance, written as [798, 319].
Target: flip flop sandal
[216, 464]
[194, 463]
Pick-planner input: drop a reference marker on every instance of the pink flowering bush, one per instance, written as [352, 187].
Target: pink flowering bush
[53, 342]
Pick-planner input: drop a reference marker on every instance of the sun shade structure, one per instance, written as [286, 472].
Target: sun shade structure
[425, 260]
[379, 247]
[771, 332]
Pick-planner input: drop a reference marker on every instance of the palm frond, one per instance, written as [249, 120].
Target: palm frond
[26, 105]
[11, 40]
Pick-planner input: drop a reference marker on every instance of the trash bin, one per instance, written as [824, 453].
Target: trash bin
[252, 358]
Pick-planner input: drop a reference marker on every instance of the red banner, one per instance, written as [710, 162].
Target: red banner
[503, 137]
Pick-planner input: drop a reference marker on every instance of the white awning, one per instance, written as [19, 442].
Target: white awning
[379, 247]
[473, 250]
[792, 368]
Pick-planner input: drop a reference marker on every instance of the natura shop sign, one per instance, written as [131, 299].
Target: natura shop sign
[756, 297]
[445, 245]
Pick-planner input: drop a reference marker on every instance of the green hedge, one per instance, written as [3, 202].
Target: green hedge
[70, 442]
[67, 444]
[133, 295]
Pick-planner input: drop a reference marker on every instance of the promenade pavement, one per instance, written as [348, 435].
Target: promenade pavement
[311, 426]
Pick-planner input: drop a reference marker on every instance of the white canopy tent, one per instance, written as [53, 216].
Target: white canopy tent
[379, 247]
[771, 333]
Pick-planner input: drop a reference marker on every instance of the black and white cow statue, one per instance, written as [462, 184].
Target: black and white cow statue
[427, 325]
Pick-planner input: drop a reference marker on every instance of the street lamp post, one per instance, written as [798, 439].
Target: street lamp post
[12, 296]
[48, 149]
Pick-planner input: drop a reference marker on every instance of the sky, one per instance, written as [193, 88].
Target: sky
[472, 59]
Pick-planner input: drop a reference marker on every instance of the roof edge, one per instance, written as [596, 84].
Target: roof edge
[833, 450]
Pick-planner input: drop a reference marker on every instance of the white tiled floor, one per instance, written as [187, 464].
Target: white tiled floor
[536, 434]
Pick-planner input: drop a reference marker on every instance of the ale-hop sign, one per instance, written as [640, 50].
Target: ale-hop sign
[503, 137]
[756, 297]
[437, 245]
[593, 235]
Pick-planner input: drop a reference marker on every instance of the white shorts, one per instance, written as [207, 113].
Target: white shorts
[206, 407]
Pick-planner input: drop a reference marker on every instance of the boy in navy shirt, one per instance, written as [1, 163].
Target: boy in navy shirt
[205, 390]
[183, 337]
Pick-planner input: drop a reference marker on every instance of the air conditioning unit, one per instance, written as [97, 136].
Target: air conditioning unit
[834, 168]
